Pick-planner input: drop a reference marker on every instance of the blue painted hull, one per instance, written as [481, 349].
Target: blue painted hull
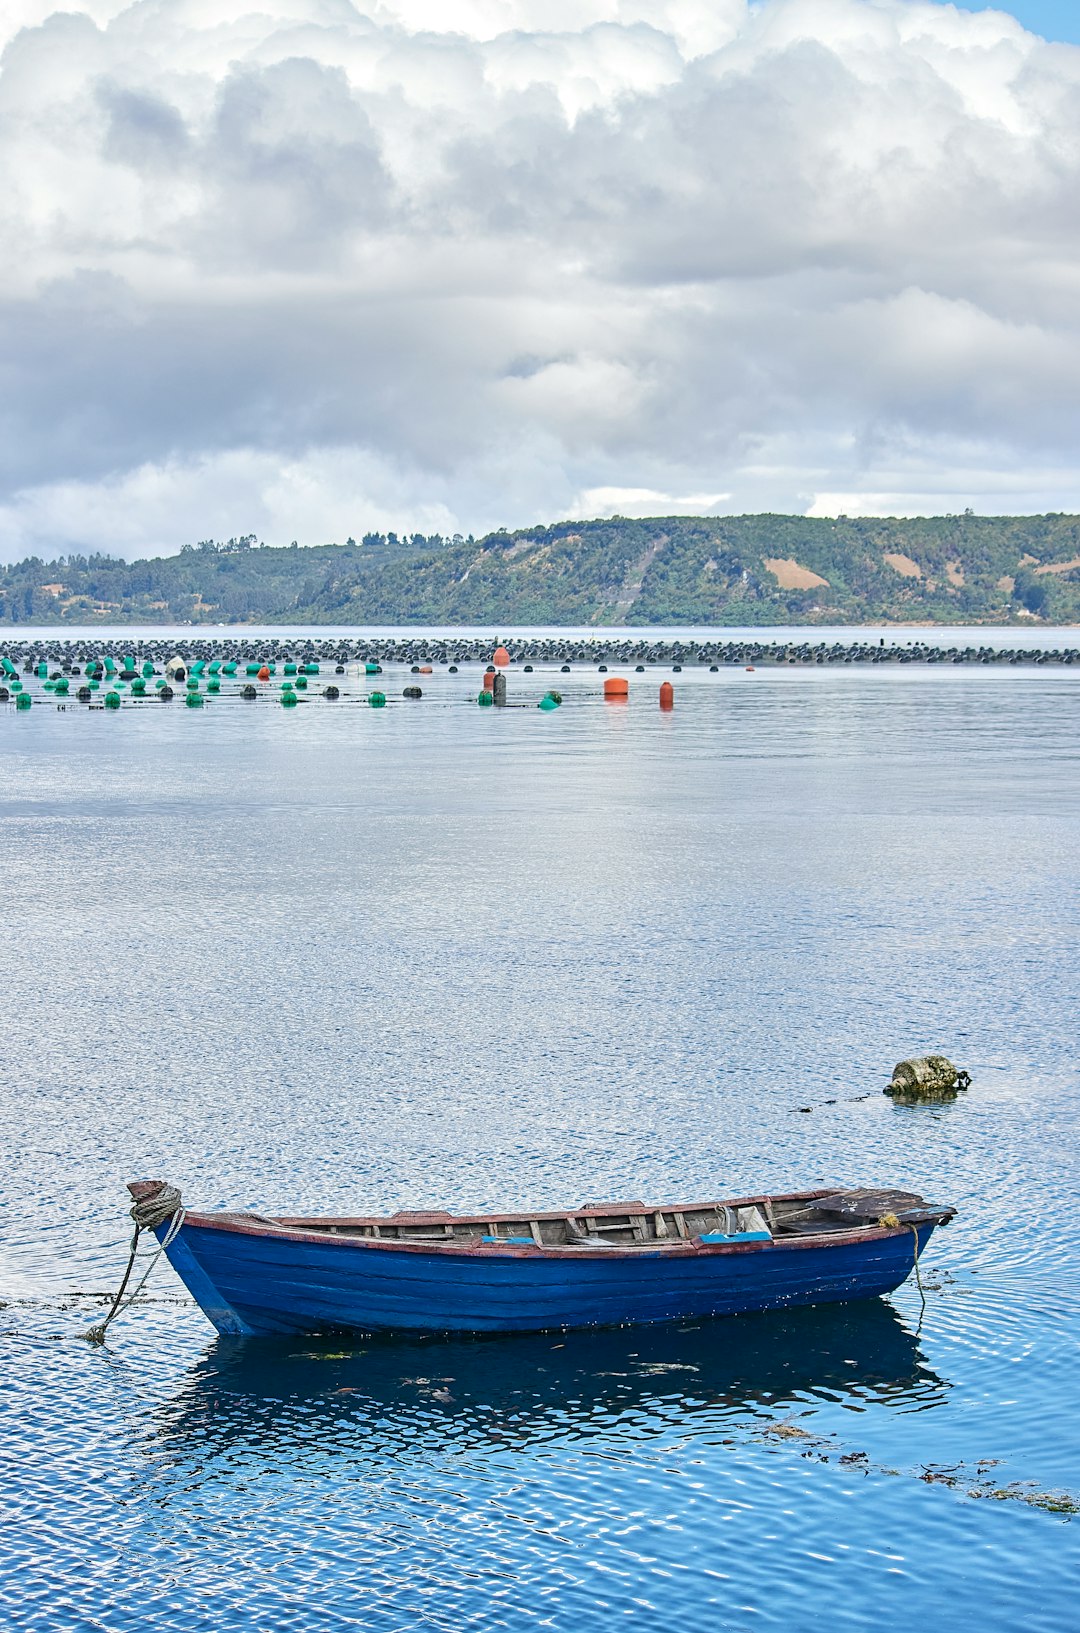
[250, 1282]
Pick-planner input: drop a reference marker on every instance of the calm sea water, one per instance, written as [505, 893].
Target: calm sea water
[344, 959]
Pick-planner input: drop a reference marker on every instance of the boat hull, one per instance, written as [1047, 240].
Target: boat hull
[263, 1283]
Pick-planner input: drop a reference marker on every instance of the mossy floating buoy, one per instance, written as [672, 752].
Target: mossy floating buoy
[249, 693]
[528, 669]
[289, 700]
[565, 670]
[676, 669]
[547, 703]
[23, 700]
[166, 694]
[412, 691]
[4, 694]
[377, 700]
[330, 693]
[112, 700]
[639, 669]
[486, 700]
[453, 669]
[84, 694]
[928, 1077]
[339, 669]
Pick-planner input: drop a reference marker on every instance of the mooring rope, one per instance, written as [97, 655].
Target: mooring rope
[890, 1221]
[148, 1215]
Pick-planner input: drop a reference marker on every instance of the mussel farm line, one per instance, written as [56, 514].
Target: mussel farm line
[68, 658]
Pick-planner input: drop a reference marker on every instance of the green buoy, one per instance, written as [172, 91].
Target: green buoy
[211, 685]
[372, 668]
[485, 700]
[301, 683]
[289, 700]
[194, 700]
[23, 700]
[377, 700]
[112, 700]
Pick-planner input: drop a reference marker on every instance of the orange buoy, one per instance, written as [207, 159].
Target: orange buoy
[500, 656]
[749, 669]
[489, 680]
[424, 669]
[264, 673]
[616, 686]
[667, 695]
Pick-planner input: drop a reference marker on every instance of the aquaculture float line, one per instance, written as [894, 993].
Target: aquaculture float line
[130, 658]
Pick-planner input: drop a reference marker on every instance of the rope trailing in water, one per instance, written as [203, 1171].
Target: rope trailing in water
[890, 1221]
[148, 1215]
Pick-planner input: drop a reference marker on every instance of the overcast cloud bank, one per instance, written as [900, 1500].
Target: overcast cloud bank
[310, 269]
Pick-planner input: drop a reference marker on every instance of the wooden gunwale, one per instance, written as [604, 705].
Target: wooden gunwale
[319, 1230]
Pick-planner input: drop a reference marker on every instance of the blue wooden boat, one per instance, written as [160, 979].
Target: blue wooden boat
[607, 1264]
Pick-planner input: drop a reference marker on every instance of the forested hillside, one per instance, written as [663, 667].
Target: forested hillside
[664, 570]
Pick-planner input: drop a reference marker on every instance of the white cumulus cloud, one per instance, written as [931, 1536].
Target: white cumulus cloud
[309, 268]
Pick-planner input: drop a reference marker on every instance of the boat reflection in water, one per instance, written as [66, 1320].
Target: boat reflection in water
[400, 1395]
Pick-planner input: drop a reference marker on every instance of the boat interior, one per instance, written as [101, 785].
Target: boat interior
[629, 1225]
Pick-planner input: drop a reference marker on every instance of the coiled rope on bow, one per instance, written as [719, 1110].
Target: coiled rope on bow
[148, 1214]
[891, 1222]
